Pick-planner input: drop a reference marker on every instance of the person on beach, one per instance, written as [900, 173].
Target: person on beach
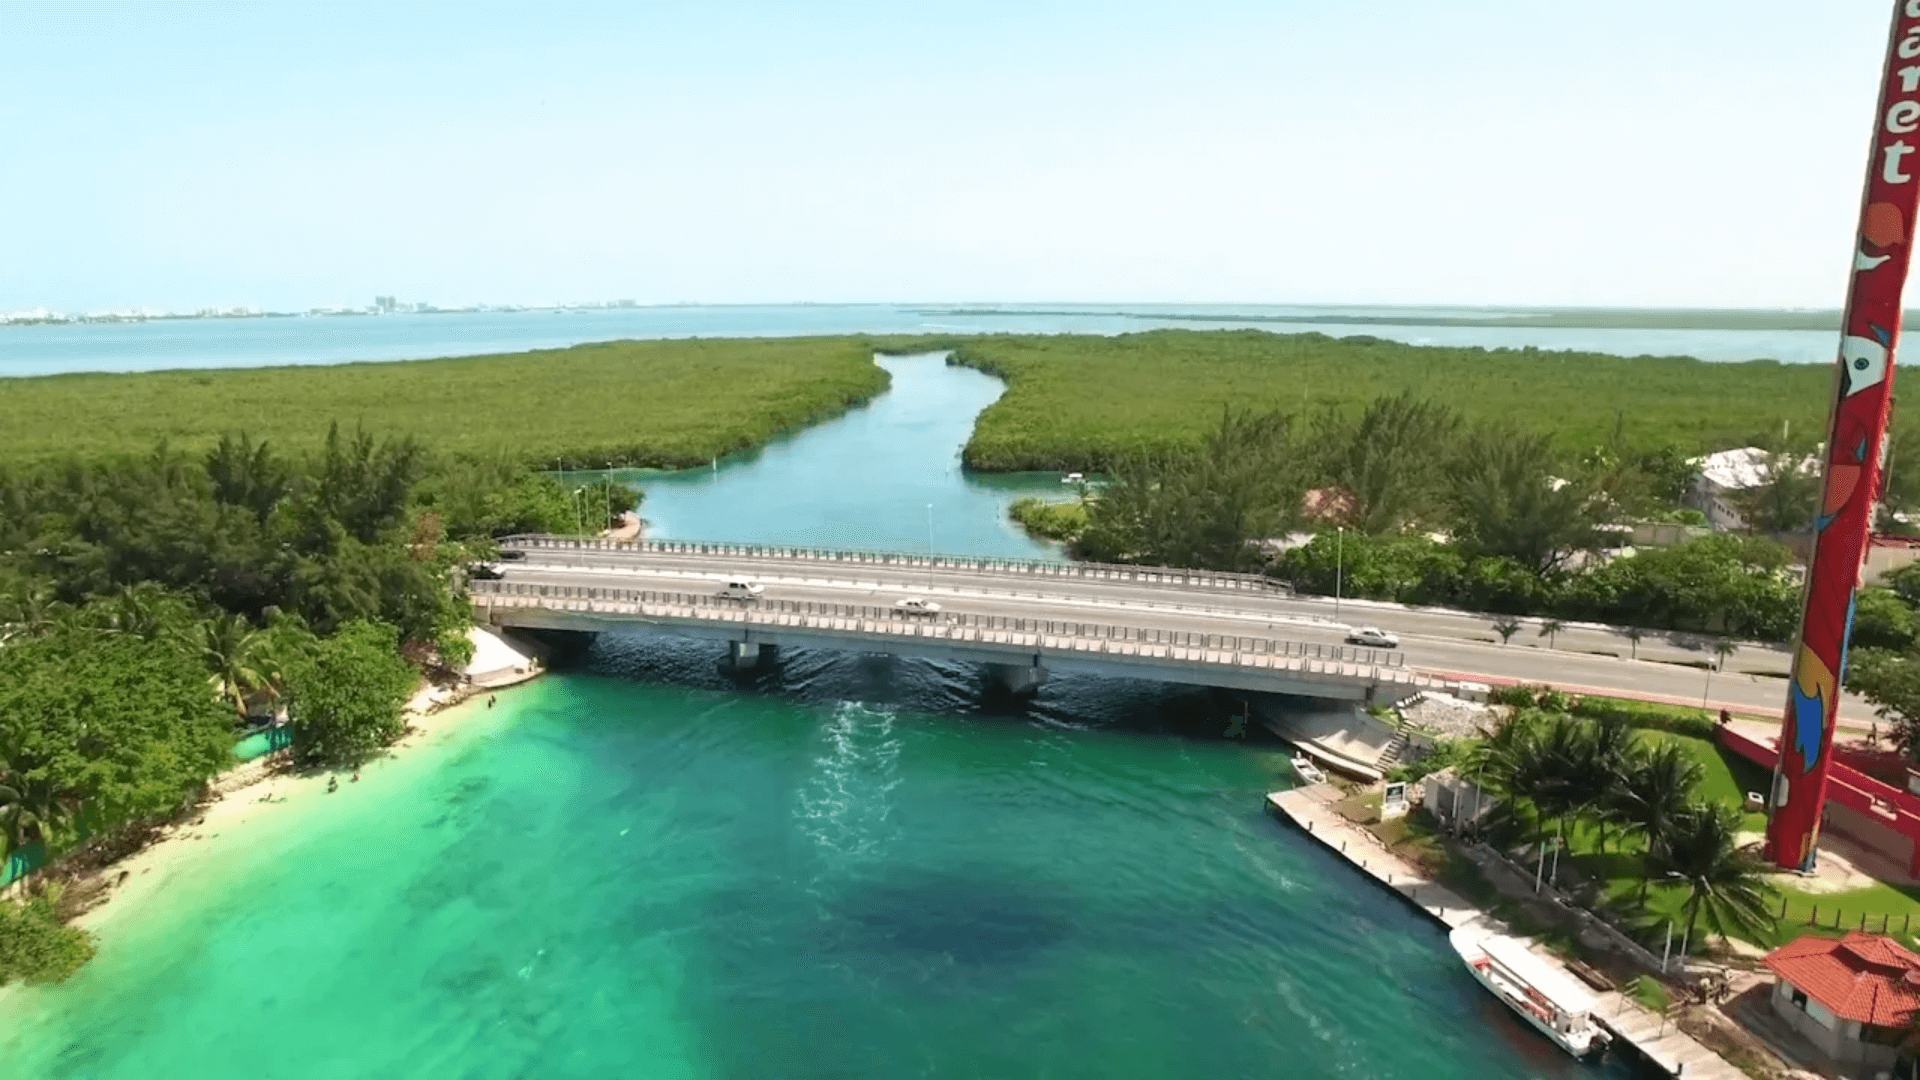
[490, 698]
[333, 784]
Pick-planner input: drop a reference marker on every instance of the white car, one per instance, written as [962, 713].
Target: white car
[1373, 636]
[913, 605]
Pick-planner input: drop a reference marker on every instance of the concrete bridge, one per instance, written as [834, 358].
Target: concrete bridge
[1448, 647]
[1018, 650]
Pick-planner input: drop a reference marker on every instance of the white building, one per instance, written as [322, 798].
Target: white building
[1720, 478]
[1452, 799]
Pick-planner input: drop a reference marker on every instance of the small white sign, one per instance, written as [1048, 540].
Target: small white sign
[1394, 802]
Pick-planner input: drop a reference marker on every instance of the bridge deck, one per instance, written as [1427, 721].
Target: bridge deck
[1232, 660]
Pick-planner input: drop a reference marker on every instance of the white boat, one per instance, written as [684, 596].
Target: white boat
[1307, 771]
[1072, 478]
[1543, 996]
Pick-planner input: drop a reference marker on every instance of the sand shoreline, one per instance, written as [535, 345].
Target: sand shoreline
[257, 789]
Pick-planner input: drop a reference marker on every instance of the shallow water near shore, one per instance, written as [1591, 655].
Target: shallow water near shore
[840, 866]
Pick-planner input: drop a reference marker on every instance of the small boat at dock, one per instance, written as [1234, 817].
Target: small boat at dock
[1307, 771]
[1531, 987]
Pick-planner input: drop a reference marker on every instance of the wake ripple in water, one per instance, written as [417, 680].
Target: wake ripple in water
[845, 805]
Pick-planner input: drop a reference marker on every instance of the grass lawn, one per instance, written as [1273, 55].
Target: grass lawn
[1726, 777]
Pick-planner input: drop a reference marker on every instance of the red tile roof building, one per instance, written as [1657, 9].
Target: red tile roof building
[1853, 997]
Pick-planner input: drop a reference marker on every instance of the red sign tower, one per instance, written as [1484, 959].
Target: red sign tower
[1862, 398]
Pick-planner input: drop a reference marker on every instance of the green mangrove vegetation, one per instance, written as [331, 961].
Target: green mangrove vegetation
[153, 609]
[1080, 402]
[1050, 519]
[1407, 500]
[639, 403]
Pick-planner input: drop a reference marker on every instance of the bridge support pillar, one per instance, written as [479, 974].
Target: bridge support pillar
[747, 655]
[1018, 678]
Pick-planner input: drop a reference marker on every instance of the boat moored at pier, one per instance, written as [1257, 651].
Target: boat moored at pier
[1544, 997]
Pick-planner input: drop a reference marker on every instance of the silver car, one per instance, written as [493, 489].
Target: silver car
[913, 605]
[1373, 637]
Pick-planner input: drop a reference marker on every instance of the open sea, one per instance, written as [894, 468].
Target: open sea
[42, 349]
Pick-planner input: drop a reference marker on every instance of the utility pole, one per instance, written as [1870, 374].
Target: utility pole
[1339, 565]
[929, 547]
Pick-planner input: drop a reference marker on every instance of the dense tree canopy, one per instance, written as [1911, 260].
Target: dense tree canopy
[97, 729]
[1507, 502]
[346, 693]
[1391, 462]
[1205, 507]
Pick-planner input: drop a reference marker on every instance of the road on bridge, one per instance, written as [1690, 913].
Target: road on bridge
[1448, 643]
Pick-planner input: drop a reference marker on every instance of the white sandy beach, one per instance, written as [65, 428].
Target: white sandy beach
[259, 789]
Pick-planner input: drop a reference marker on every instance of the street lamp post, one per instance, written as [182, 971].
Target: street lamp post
[1339, 566]
[929, 547]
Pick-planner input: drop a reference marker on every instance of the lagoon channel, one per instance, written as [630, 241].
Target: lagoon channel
[836, 866]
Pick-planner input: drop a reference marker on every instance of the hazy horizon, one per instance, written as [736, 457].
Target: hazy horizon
[1492, 153]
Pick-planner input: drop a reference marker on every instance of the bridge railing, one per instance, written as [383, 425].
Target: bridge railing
[516, 591]
[1148, 575]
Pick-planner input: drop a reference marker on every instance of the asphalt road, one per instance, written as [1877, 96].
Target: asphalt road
[1453, 644]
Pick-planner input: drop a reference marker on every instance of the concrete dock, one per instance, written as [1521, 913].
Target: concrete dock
[1654, 1036]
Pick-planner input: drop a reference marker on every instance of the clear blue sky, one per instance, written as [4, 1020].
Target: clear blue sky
[1658, 152]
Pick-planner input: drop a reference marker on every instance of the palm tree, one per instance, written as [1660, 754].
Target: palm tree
[1506, 628]
[1608, 753]
[1725, 882]
[1634, 634]
[31, 612]
[142, 610]
[1544, 765]
[1549, 628]
[1721, 650]
[235, 656]
[1654, 795]
[31, 811]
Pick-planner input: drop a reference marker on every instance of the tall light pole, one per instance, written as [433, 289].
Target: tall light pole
[1339, 565]
[579, 524]
[929, 547]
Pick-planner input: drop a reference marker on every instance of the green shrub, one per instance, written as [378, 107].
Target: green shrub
[1650, 715]
[1063, 521]
[35, 947]
[1519, 695]
[1649, 992]
[1445, 753]
[346, 695]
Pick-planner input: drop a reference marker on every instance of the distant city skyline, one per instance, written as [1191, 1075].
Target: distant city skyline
[1491, 152]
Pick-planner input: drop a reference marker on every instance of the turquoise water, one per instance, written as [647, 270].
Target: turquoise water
[847, 867]
[212, 343]
[883, 477]
[836, 866]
